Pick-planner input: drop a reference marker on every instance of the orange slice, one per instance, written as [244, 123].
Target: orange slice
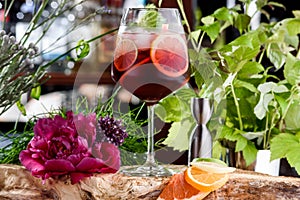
[178, 188]
[169, 54]
[213, 167]
[203, 180]
[125, 54]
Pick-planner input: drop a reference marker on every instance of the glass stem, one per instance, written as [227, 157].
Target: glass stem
[150, 153]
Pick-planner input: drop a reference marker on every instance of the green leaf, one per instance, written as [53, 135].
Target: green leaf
[293, 158]
[242, 22]
[151, 18]
[292, 70]
[212, 30]
[249, 153]
[261, 108]
[226, 133]
[36, 92]
[296, 13]
[272, 87]
[250, 69]
[205, 74]
[253, 135]
[267, 95]
[176, 107]
[261, 3]
[292, 26]
[276, 56]
[21, 107]
[242, 144]
[193, 56]
[287, 146]
[292, 118]
[223, 14]
[281, 144]
[274, 3]
[178, 137]
[185, 95]
[208, 20]
[277, 37]
[291, 41]
[238, 52]
[282, 101]
[195, 35]
[246, 85]
[169, 109]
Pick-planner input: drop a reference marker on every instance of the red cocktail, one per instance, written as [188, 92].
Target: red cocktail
[153, 71]
[151, 62]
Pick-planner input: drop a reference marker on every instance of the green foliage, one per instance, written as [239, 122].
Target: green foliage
[292, 70]
[242, 143]
[287, 145]
[292, 117]
[253, 110]
[177, 106]
[15, 142]
[178, 137]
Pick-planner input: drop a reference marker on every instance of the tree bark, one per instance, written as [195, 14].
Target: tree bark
[18, 183]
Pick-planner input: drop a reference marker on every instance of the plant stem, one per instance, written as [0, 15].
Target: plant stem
[139, 111]
[200, 41]
[236, 102]
[33, 22]
[261, 55]
[6, 9]
[265, 134]
[181, 7]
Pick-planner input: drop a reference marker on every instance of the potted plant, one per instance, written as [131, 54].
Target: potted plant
[253, 109]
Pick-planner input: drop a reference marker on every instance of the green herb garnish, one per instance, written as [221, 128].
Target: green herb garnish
[151, 18]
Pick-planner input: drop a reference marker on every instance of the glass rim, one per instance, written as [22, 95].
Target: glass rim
[158, 9]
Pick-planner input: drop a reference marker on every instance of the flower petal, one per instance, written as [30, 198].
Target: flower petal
[89, 164]
[30, 163]
[59, 165]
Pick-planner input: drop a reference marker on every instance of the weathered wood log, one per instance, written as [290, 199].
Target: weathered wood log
[17, 183]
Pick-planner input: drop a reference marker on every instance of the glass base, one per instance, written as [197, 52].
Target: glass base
[147, 170]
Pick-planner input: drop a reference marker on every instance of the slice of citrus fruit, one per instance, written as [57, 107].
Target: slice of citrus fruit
[169, 54]
[125, 54]
[178, 188]
[213, 166]
[203, 180]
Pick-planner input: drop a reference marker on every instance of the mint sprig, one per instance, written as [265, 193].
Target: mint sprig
[152, 18]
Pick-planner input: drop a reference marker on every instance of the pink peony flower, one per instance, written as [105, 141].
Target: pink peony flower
[69, 146]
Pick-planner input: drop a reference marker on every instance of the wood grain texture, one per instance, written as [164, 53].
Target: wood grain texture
[16, 183]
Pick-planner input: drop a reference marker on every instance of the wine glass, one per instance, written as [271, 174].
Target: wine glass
[151, 62]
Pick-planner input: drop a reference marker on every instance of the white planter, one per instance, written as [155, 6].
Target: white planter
[263, 164]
